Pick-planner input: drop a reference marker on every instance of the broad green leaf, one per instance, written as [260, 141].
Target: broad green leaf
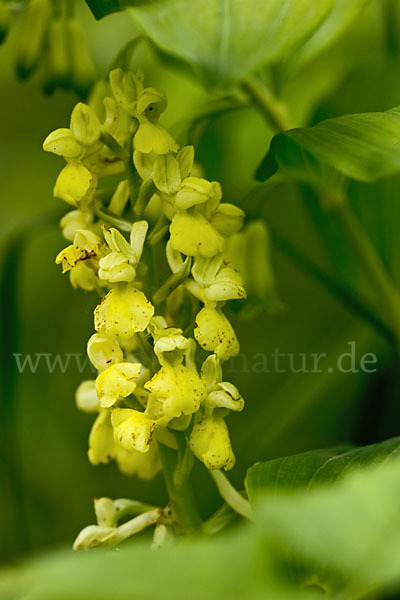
[341, 17]
[234, 566]
[311, 468]
[352, 529]
[226, 40]
[364, 147]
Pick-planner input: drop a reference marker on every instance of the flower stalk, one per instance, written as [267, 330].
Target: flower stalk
[157, 406]
[231, 496]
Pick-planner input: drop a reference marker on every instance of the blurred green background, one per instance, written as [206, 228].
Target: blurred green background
[47, 484]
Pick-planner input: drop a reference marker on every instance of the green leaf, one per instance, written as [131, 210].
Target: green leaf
[311, 468]
[351, 531]
[225, 40]
[102, 8]
[233, 566]
[340, 18]
[364, 147]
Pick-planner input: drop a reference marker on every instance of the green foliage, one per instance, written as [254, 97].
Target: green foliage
[301, 547]
[347, 535]
[225, 41]
[339, 19]
[234, 566]
[364, 147]
[308, 469]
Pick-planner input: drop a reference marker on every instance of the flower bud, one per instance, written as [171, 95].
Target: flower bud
[227, 285]
[211, 371]
[152, 101]
[166, 175]
[221, 394]
[144, 164]
[214, 333]
[205, 270]
[117, 382]
[103, 351]
[226, 395]
[185, 158]
[250, 251]
[57, 68]
[62, 142]
[74, 220]
[258, 268]
[218, 281]
[133, 430]
[115, 267]
[74, 184]
[85, 126]
[123, 312]
[197, 191]
[5, 20]
[89, 240]
[227, 219]
[31, 36]
[126, 88]
[86, 397]
[138, 235]
[169, 343]
[116, 242]
[133, 250]
[102, 448]
[193, 235]
[210, 442]
[120, 198]
[117, 122]
[82, 70]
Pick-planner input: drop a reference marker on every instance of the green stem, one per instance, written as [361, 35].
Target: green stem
[131, 176]
[231, 496]
[180, 492]
[158, 231]
[371, 264]
[273, 109]
[146, 191]
[145, 348]
[114, 146]
[173, 281]
[111, 219]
